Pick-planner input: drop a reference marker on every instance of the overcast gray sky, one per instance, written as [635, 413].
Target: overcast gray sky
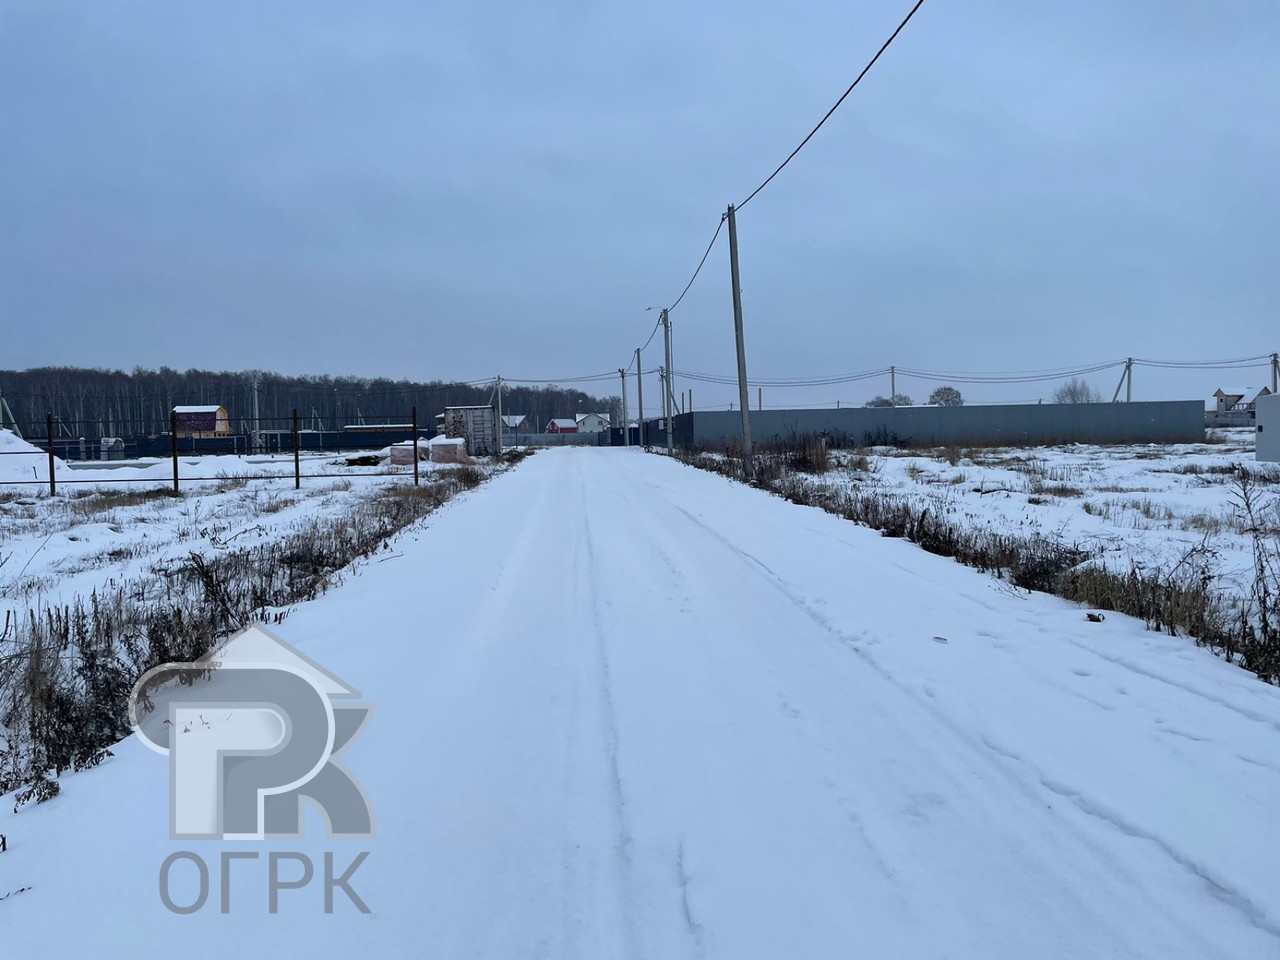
[452, 190]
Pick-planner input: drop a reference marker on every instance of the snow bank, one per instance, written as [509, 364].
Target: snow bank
[20, 460]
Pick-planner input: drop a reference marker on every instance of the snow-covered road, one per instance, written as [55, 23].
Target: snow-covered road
[629, 709]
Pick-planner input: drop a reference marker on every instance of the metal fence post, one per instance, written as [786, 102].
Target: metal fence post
[297, 463]
[415, 445]
[53, 482]
[173, 447]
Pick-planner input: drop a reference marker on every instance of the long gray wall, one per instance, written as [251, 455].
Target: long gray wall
[1165, 421]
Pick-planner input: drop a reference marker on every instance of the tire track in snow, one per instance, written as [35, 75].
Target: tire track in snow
[653, 532]
[1028, 787]
[586, 586]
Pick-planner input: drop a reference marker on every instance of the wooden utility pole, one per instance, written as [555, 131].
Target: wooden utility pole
[664, 412]
[626, 425]
[1275, 373]
[668, 401]
[6, 415]
[501, 425]
[893, 386]
[640, 397]
[1126, 381]
[742, 350]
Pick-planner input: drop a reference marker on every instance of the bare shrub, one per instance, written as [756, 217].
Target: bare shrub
[66, 670]
[1180, 601]
[1076, 390]
[1057, 489]
[1260, 618]
[514, 455]
[859, 463]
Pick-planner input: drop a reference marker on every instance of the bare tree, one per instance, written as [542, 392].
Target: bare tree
[1076, 390]
[897, 400]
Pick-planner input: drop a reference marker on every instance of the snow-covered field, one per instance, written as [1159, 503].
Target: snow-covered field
[654, 713]
[1146, 505]
[98, 530]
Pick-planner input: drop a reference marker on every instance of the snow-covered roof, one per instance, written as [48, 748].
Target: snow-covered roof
[1242, 393]
[513, 419]
[445, 441]
[583, 416]
[205, 408]
[563, 422]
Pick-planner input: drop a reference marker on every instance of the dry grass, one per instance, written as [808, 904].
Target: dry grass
[1180, 600]
[66, 669]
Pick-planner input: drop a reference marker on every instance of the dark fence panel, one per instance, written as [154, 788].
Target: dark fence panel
[1163, 421]
[277, 436]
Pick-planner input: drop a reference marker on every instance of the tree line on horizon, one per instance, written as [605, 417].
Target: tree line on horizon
[107, 403]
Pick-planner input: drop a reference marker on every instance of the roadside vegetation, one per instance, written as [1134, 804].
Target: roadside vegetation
[66, 668]
[1182, 592]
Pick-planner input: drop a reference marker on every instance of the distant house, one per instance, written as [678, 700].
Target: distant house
[516, 423]
[1239, 399]
[562, 426]
[201, 421]
[592, 423]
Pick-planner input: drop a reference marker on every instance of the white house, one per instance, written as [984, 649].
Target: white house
[592, 423]
[1239, 399]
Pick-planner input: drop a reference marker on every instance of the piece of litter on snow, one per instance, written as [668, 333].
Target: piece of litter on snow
[941, 639]
[1094, 617]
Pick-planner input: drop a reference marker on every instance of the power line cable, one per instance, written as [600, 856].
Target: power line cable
[652, 333]
[999, 378]
[706, 253]
[1064, 371]
[720, 225]
[1204, 364]
[885, 46]
[594, 377]
[773, 382]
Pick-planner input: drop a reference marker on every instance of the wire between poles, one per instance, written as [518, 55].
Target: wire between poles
[865, 70]
[706, 253]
